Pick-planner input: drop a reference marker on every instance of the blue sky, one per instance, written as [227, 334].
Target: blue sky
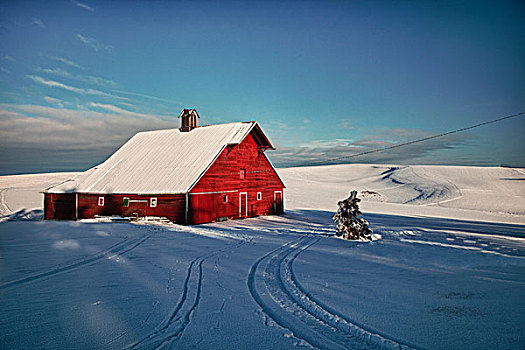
[324, 79]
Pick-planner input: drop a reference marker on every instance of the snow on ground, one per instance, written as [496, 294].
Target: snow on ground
[451, 274]
[20, 194]
[475, 193]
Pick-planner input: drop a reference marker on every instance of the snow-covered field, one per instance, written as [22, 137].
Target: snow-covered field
[449, 271]
[477, 193]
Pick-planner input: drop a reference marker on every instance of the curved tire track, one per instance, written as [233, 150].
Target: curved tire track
[119, 248]
[293, 308]
[4, 209]
[327, 314]
[180, 317]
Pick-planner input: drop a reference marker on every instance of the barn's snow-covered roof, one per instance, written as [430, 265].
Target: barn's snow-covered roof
[161, 161]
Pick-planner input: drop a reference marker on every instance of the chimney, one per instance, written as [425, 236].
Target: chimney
[188, 119]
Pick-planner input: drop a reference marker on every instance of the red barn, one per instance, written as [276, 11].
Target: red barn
[190, 175]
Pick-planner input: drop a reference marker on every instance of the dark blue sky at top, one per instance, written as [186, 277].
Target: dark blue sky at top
[324, 79]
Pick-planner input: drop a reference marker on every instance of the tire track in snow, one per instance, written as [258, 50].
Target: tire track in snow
[172, 328]
[116, 249]
[293, 308]
[519, 171]
[361, 333]
[264, 300]
[4, 209]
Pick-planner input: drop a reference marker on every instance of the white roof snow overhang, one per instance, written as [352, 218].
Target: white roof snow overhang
[205, 170]
[91, 180]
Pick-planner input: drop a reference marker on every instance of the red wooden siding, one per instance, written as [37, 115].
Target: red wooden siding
[209, 207]
[224, 177]
[59, 206]
[62, 206]
[170, 206]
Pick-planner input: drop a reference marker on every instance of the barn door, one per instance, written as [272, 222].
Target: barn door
[202, 208]
[64, 206]
[278, 202]
[138, 207]
[243, 204]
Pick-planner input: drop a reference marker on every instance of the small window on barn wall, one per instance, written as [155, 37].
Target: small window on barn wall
[125, 202]
[243, 174]
[259, 196]
[153, 202]
[225, 198]
[100, 201]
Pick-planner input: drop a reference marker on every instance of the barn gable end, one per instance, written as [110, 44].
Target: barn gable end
[239, 169]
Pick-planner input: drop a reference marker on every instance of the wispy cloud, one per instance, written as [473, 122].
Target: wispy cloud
[346, 124]
[83, 78]
[54, 101]
[23, 126]
[277, 128]
[109, 107]
[38, 22]
[57, 84]
[146, 96]
[37, 138]
[5, 70]
[321, 152]
[66, 61]
[98, 81]
[94, 43]
[9, 58]
[119, 110]
[304, 124]
[84, 6]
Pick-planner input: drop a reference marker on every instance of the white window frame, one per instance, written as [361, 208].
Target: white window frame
[259, 196]
[153, 202]
[242, 174]
[100, 201]
[224, 198]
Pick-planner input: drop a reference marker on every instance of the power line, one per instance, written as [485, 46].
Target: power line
[419, 140]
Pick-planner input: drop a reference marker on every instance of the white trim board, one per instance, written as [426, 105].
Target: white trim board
[215, 192]
[240, 202]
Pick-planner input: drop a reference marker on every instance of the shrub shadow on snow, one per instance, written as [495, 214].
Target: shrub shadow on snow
[24, 215]
[380, 221]
[387, 222]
